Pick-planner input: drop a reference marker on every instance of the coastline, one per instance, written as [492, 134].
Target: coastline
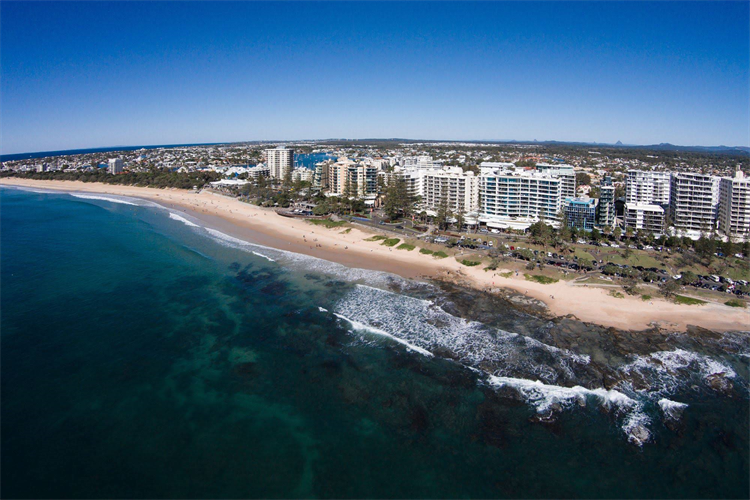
[265, 227]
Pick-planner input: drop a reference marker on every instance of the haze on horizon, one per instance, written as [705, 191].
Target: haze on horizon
[98, 74]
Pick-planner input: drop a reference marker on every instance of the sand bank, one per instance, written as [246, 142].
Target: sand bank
[265, 227]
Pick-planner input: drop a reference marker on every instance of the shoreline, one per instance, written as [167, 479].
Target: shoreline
[264, 227]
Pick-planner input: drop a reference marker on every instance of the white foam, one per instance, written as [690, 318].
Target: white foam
[361, 326]
[264, 256]
[421, 322]
[669, 407]
[176, 217]
[664, 372]
[543, 397]
[33, 190]
[322, 309]
[307, 263]
[103, 198]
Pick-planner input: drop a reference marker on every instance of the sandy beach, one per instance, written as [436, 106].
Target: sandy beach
[265, 227]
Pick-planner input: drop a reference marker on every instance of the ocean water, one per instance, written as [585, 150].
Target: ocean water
[147, 355]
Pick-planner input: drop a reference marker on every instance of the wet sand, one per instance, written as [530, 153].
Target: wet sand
[265, 227]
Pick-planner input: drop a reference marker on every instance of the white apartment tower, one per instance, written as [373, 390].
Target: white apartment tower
[647, 187]
[565, 173]
[116, 165]
[280, 162]
[694, 201]
[519, 198]
[460, 189]
[734, 205]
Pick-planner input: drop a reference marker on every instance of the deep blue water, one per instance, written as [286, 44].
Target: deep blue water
[145, 357]
[66, 152]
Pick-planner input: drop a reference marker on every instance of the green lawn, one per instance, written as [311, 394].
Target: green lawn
[391, 242]
[326, 222]
[405, 246]
[544, 280]
[377, 237]
[440, 255]
[736, 303]
[426, 251]
[470, 263]
[637, 258]
[681, 299]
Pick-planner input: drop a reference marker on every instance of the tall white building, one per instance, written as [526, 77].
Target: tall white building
[116, 165]
[350, 177]
[647, 187]
[565, 173]
[280, 161]
[460, 189]
[694, 200]
[734, 205]
[518, 199]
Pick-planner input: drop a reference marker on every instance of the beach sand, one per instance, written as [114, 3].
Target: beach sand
[265, 227]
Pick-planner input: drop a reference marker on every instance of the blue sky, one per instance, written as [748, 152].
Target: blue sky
[94, 74]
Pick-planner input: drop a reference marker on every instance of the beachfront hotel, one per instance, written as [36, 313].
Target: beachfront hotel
[280, 162]
[734, 205]
[694, 202]
[515, 199]
[460, 189]
[347, 177]
[434, 184]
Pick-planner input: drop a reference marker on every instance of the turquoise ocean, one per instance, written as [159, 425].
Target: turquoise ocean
[146, 354]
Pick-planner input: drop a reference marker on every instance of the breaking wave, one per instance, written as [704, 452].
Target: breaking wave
[176, 217]
[103, 198]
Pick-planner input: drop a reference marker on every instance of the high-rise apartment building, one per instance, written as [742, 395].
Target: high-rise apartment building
[734, 205]
[517, 199]
[605, 211]
[565, 173]
[694, 200]
[280, 162]
[116, 165]
[459, 189]
[647, 187]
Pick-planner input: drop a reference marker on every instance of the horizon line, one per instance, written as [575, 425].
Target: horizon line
[490, 141]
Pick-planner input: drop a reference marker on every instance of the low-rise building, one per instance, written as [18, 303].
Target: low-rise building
[646, 217]
[580, 213]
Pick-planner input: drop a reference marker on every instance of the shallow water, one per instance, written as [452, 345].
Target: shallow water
[145, 355]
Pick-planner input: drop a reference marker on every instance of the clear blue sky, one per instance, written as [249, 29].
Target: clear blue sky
[78, 75]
